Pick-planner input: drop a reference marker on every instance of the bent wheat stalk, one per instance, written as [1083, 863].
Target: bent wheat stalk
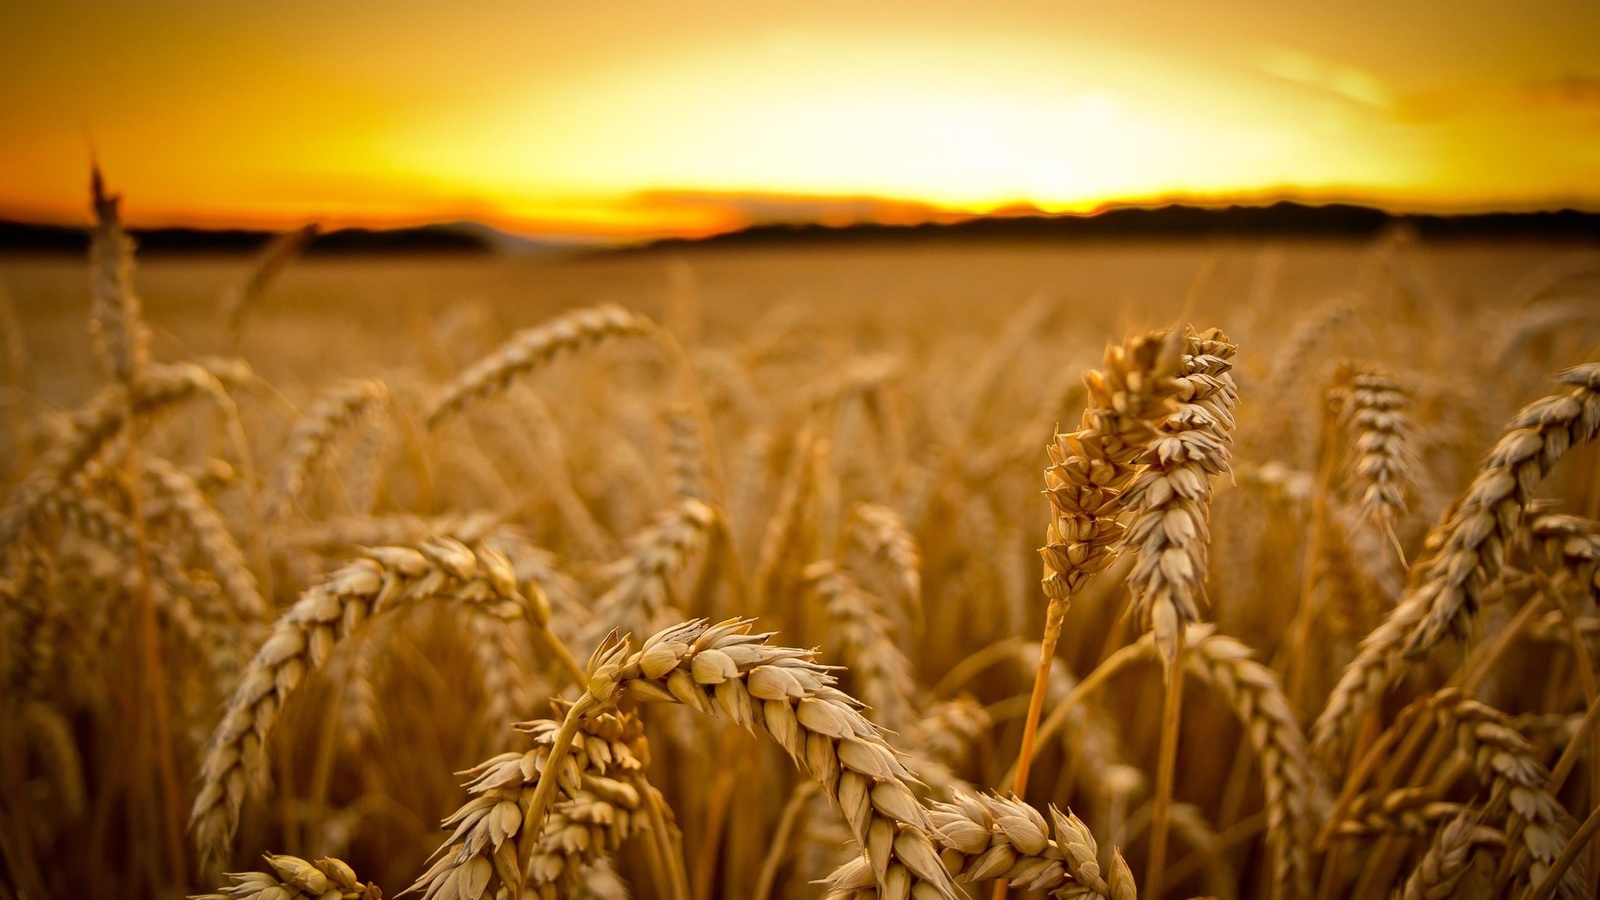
[1445, 594]
[725, 669]
[532, 348]
[305, 637]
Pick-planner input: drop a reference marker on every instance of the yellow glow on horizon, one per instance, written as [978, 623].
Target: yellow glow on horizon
[633, 119]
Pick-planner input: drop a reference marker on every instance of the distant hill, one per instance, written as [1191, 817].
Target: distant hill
[1279, 220]
[1284, 220]
[463, 237]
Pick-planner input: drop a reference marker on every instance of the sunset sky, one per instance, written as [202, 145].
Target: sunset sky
[629, 119]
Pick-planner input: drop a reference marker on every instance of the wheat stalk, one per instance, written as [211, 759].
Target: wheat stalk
[724, 668]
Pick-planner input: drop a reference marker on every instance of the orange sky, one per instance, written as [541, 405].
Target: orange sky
[670, 116]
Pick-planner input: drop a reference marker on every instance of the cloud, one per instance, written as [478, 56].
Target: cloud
[1346, 81]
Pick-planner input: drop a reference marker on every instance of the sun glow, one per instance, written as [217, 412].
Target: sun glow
[646, 123]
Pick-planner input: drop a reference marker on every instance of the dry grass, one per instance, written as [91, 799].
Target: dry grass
[216, 570]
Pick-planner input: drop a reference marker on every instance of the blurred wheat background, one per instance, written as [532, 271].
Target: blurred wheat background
[290, 545]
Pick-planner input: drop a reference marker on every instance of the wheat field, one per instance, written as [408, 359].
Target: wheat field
[773, 558]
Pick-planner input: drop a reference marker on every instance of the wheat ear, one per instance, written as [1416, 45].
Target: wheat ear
[1572, 543]
[273, 259]
[211, 535]
[724, 668]
[120, 336]
[333, 412]
[1439, 872]
[1089, 470]
[1504, 761]
[1409, 810]
[532, 348]
[643, 584]
[984, 837]
[303, 639]
[1295, 797]
[1381, 465]
[686, 454]
[880, 671]
[292, 877]
[1472, 542]
[599, 804]
[1171, 498]
[883, 537]
[93, 427]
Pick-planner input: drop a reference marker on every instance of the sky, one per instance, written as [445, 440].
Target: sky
[618, 120]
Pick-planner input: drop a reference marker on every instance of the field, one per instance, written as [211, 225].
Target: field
[273, 588]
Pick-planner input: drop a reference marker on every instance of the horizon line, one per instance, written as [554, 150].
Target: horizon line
[849, 210]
